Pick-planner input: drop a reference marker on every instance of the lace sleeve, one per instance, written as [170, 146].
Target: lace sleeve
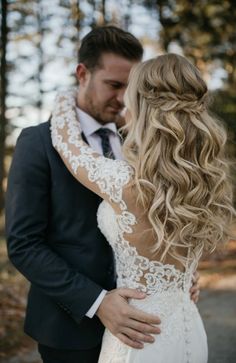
[103, 176]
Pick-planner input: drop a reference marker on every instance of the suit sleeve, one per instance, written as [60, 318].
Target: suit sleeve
[27, 216]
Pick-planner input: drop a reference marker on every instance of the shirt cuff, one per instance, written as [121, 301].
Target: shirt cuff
[91, 312]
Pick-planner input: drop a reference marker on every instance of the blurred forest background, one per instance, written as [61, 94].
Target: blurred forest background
[39, 44]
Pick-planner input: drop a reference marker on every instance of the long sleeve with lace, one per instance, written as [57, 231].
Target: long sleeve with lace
[103, 176]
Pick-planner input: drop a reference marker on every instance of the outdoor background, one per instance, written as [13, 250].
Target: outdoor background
[38, 50]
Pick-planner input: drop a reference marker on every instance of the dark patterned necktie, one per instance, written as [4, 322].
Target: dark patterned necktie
[106, 146]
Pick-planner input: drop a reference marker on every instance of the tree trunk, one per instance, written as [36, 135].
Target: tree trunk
[103, 11]
[3, 92]
[40, 60]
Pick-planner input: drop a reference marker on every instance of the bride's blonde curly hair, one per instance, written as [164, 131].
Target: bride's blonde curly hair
[177, 151]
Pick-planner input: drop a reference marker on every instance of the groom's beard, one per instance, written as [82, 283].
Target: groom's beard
[102, 112]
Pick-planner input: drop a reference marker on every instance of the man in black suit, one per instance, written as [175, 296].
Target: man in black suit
[52, 233]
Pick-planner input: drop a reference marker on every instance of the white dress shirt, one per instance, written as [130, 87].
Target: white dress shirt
[89, 126]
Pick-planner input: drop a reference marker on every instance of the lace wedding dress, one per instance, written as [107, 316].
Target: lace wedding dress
[182, 338]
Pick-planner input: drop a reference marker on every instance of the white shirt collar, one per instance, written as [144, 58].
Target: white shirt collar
[89, 125]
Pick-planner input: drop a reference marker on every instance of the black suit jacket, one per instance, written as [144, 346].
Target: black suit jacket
[54, 241]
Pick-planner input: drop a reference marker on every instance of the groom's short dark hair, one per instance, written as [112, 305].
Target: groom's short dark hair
[108, 39]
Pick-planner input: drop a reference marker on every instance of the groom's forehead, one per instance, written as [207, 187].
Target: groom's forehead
[113, 68]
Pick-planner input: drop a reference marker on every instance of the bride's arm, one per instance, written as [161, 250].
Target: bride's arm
[103, 176]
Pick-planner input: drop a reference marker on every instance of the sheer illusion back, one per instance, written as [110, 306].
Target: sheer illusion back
[131, 238]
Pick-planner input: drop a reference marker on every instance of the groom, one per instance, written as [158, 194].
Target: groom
[52, 233]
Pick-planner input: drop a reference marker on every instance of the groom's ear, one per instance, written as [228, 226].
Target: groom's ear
[82, 74]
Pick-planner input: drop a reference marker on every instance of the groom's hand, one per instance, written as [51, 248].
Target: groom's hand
[130, 325]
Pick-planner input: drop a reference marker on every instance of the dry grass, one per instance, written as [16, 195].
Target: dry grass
[218, 271]
[13, 291]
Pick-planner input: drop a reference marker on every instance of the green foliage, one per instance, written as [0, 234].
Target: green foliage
[205, 30]
[225, 106]
[206, 33]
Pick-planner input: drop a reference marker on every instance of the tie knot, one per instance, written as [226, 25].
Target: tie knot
[103, 132]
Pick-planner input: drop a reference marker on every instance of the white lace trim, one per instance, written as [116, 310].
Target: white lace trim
[109, 175]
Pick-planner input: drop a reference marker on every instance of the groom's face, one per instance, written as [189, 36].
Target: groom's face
[101, 91]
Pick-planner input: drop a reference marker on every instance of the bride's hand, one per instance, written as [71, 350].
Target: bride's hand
[130, 325]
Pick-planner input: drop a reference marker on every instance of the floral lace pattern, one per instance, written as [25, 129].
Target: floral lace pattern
[109, 175]
[166, 286]
[131, 267]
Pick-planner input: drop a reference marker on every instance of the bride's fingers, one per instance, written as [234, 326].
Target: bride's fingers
[195, 296]
[194, 288]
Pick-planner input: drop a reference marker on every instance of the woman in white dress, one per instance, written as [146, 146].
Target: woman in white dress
[166, 203]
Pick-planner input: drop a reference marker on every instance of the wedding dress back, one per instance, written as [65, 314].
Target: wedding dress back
[128, 229]
[167, 285]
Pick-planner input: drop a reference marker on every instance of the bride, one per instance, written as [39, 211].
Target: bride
[166, 203]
